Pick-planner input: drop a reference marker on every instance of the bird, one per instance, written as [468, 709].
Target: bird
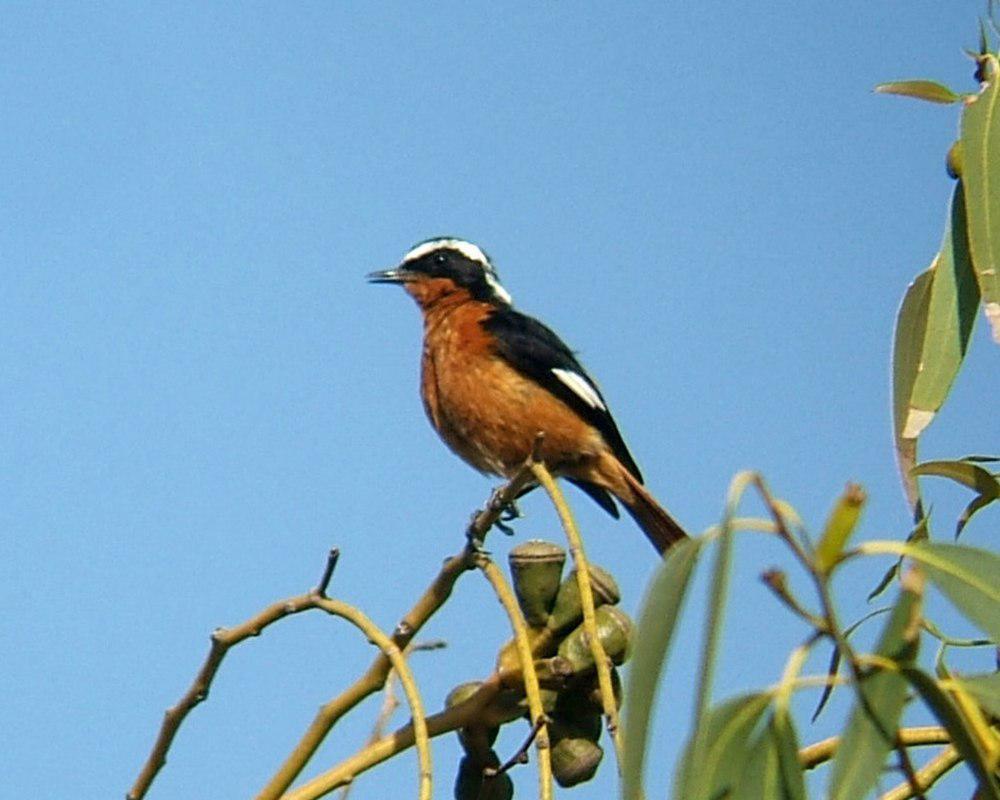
[493, 379]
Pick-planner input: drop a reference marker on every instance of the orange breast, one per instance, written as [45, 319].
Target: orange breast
[485, 410]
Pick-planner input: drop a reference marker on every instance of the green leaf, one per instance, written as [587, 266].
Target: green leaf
[653, 636]
[871, 728]
[931, 91]
[918, 534]
[985, 690]
[719, 749]
[761, 774]
[969, 577]
[951, 314]
[835, 659]
[966, 575]
[963, 472]
[793, 785]
[911, 325]
[968, 474]
[980, 134]
[954, 722]
[839, 527]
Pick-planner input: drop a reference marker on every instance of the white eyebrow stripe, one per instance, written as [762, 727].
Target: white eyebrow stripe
[467, 249]
[581, 387]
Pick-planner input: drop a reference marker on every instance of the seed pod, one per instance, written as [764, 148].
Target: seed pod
[954, 161]
[536, 568]
[575, 760]
[588, 696]
[476, 740]
[614, 629]
[568, 611]
[471, 785]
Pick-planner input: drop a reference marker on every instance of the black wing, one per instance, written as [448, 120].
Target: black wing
[537, 352]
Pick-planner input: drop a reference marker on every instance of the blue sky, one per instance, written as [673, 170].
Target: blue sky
[201, 395]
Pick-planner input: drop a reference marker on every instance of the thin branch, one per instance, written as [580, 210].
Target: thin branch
[926, 776]
[777, 582]
[601, 660]
[507, 599]
[815, 754]
[520, 757]
[374, 678]
[325, 578]
[465, 713]
[389, 649]
[221, 640]
[906, 765]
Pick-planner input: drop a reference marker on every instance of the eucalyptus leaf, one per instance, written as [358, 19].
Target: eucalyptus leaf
[956, 725]
[968, 576]
[793, 785]
[871, 728]
[908, 343]
[980, 135]
[719, 749]
[918, 534]
[985, 689]
[930, 91]
[951, 314]
[653, 636]
[968, 474]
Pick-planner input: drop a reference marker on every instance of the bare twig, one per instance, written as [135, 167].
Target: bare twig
[221, 640]
[520, 757]
[331, 565]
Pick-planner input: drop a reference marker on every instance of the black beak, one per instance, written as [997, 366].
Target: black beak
[395, 275]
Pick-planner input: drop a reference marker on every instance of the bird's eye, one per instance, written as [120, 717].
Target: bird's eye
[440, 259]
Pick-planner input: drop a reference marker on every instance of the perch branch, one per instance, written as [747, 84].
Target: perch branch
[601, 660]
[374, 678]
[526, 657]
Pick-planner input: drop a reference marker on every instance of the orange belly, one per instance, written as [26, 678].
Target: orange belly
[486, 411]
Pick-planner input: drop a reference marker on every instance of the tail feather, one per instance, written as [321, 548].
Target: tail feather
[660, 528]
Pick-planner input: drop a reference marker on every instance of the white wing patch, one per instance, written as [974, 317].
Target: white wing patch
[498, 291]
[581, 387]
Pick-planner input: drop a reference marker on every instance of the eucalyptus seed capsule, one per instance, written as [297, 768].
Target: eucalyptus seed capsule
[614, 629]
[536, 567]
[567, 610]
[470, 784]
[575, 760]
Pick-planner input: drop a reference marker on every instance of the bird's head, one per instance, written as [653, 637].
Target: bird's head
[444, 266]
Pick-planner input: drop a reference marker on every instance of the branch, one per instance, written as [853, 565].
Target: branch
[820, 752]
[428, 604]
[402, 669]
[451, 719]
[601, 660]
[526, 657]
[222, 639]
[926, 776]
